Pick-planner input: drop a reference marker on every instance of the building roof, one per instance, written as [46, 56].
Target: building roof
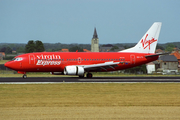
[95, 34]
[64, 50]
[168, 58]
[159, 51]
[85, 50]
[176, 54]
[2, 53]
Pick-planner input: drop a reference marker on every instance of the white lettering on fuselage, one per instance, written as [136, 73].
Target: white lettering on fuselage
[48, 60]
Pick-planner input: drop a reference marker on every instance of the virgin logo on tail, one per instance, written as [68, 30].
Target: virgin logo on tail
[147, 43]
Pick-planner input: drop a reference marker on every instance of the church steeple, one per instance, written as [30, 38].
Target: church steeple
[95, 42]
[95, 36]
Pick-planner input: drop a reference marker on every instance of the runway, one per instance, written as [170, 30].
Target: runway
[83, 80]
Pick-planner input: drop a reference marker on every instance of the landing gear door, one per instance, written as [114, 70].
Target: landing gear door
[133, 60]
[31, 60]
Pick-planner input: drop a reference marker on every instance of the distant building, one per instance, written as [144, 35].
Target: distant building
[13, 51]
[106, 48]
[168, 64]
[95, 42]
[159, 51]
[2, 55]
[150, 67]
[177, 55]
[64, 50]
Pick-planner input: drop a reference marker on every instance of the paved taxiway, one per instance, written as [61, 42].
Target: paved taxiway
[94, 79]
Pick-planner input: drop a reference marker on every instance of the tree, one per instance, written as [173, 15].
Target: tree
[160, 47]
[20, 50]
[39, 46]
[7, 50]
[36, 46]
[170, 47]
[30, 47]
[114, 47]
[75, 48]
[3, 49]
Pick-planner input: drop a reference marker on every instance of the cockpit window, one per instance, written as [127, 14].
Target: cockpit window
[17, 59]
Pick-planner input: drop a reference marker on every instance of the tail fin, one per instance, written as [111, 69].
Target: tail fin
[148, 42]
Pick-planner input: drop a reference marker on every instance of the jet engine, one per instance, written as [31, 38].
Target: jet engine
[74, 70]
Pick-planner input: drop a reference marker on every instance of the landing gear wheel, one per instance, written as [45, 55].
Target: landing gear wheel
[24, 76]
[89, 75]
[81, 76]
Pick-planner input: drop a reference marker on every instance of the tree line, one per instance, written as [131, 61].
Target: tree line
[39, 46]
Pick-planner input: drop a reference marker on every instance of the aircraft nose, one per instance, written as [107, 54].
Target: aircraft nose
[7, 64]
[10, 65]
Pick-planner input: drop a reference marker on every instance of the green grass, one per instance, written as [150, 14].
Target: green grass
[83, 94]
[3, 61]
[90, 101]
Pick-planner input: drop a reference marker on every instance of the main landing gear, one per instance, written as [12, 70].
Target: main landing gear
[88, 75]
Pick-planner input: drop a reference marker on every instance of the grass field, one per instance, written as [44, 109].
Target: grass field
[90, 101]
[3, 61]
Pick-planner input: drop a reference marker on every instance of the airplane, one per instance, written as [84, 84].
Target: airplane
[81, 63]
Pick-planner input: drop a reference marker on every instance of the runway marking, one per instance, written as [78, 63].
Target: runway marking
[87, 80]
[76, 82]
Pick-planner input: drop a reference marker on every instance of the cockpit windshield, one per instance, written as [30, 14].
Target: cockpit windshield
[17, 59]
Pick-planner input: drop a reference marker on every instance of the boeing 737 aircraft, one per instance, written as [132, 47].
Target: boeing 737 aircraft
[79, 63]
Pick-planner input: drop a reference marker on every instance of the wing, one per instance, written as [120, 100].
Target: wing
[101, 66]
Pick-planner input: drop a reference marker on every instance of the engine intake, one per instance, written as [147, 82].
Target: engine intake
[74, 70]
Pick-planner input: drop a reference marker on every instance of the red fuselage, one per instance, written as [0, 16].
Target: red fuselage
[57, 61]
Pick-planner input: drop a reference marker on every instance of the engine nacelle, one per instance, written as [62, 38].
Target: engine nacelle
[74, 70]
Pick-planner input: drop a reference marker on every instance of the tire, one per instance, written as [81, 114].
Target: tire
[24, 76]
[89, 75]
[81, 76]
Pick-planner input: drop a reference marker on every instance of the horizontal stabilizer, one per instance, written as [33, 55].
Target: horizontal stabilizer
[156, 54]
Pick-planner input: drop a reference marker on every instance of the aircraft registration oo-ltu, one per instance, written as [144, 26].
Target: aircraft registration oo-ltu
[80, 63]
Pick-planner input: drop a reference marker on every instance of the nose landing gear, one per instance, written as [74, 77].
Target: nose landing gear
[24, 74]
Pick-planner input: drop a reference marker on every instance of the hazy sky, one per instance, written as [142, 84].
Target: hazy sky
[73, 21]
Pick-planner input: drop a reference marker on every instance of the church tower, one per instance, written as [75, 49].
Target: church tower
[95, 42]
